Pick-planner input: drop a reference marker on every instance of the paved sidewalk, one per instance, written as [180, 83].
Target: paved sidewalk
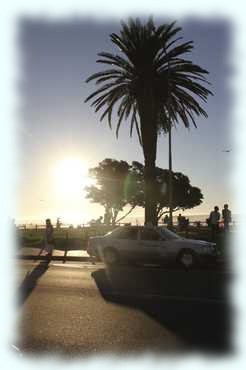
[71, 255]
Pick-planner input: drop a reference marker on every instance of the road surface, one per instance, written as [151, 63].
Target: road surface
[79, 308]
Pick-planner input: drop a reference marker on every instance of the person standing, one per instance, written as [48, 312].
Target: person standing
[214, 222]
[226, 216]
[165, 219]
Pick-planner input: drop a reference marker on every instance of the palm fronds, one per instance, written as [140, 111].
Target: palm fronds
[150, 59]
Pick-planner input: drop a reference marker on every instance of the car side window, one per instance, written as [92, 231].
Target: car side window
[150, 234]
[131, 234]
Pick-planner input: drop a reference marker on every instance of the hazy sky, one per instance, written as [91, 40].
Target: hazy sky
[56, 124]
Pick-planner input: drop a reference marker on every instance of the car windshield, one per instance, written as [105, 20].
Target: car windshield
[168, 234]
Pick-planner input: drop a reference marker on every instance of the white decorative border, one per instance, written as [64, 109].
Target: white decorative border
[234, 11]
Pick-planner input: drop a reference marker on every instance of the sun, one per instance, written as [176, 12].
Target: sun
[71, 177]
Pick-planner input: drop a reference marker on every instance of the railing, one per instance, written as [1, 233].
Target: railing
[66, 227]
[85, 227]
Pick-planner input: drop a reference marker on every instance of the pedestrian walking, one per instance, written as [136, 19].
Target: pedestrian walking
[48, 238]
[214, 219]
[226, 216]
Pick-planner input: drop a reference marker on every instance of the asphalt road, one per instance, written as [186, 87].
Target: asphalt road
[78, 309]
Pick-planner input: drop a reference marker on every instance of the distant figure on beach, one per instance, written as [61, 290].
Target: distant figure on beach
[214, 219]
[226, 216]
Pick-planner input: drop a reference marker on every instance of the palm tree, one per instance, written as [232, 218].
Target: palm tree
[148, 81]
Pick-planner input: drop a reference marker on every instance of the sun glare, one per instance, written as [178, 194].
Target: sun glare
[71, 177]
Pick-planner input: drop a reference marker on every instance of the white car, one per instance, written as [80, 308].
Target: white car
[151, 245]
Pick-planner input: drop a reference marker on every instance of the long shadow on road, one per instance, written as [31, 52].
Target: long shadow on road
[30, 281]
[183, 302]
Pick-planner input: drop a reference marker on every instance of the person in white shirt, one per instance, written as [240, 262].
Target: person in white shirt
[214, 219]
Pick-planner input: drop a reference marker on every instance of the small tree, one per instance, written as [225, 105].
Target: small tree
[119, 184]
[115, 187]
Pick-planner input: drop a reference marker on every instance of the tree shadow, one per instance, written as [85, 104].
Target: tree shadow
[30, 281]
[202, 326]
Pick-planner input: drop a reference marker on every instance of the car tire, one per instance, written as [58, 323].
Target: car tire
[187, 259]
[110, 256]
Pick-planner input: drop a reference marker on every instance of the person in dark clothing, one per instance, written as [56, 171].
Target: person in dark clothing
[166, 219]
[226, 216]
[48, 239]
[179, 219]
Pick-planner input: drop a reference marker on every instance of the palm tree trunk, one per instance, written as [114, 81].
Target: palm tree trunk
[149, 140]
[149, 191]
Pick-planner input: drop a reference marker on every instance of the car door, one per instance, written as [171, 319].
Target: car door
[169, 246]
[150, 245]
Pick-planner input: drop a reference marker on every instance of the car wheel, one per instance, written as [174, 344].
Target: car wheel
[110, 256]
[187, 259]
